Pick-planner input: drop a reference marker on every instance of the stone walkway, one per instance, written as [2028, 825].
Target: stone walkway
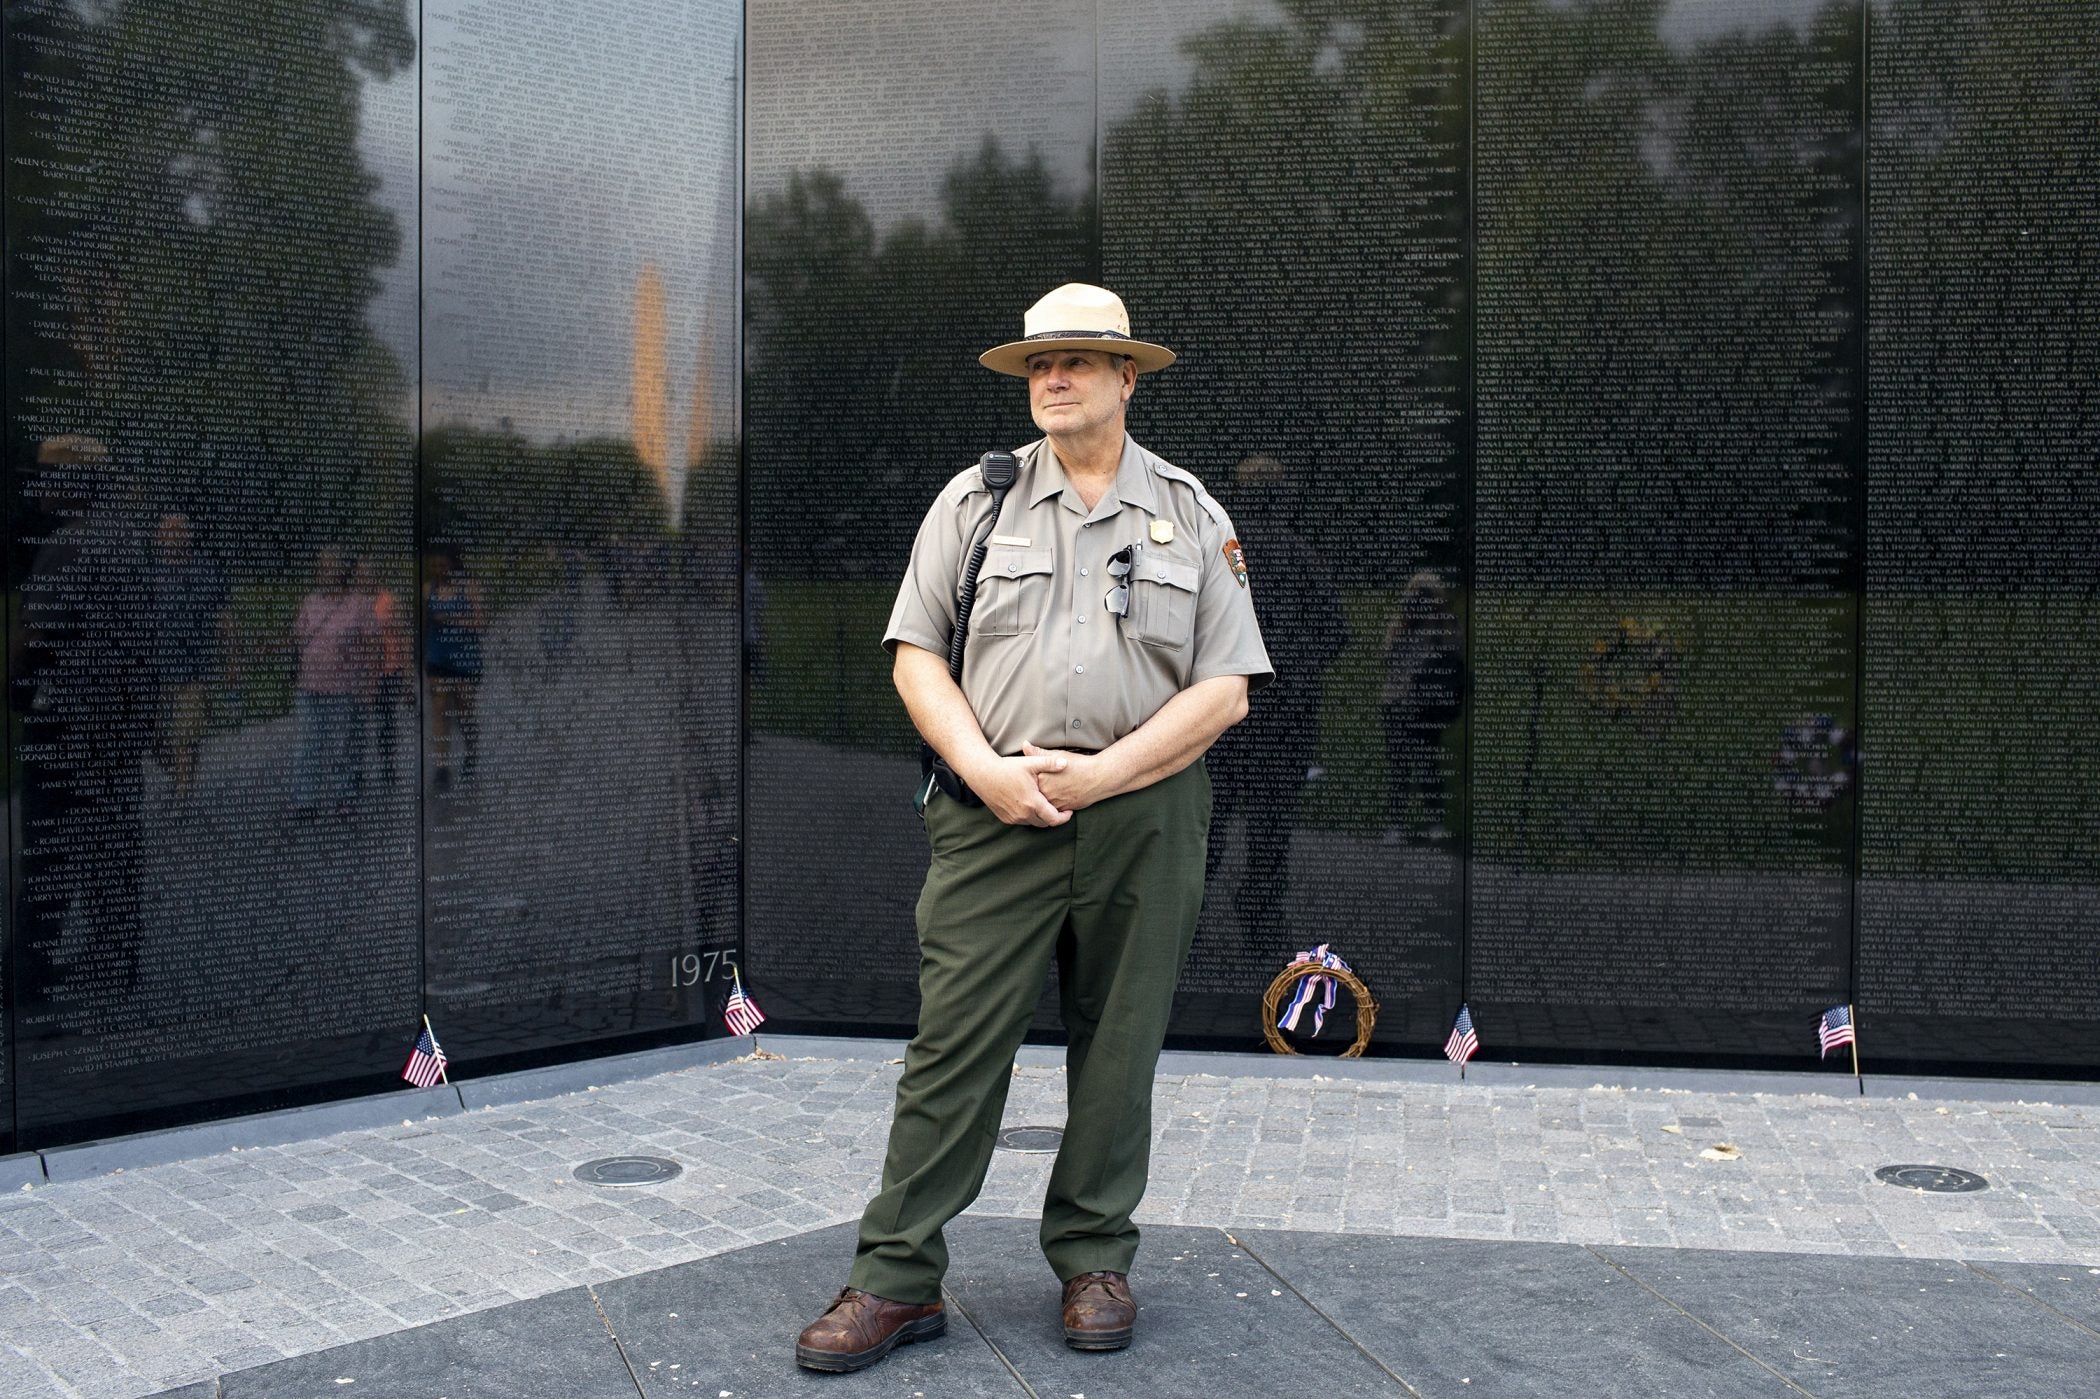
[157, 1276]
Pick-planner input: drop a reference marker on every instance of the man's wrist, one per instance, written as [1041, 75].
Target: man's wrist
[1108, 772]
[975, 769]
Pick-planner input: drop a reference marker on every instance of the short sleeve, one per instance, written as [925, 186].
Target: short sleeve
[924, 613]
[1228, 638]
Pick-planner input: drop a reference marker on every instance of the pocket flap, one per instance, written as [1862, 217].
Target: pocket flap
[1171, 572]
[1016, 563]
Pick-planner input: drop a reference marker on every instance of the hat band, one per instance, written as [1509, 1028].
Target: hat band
[1079, 334]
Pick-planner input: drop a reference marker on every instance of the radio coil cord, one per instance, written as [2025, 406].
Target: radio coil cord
[999, 470]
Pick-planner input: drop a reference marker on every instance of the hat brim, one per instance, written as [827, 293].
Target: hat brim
[1012, 357]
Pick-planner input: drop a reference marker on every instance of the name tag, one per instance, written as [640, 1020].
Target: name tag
[1015, 541]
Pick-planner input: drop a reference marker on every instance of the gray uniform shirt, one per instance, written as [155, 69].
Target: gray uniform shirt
[1047, 662]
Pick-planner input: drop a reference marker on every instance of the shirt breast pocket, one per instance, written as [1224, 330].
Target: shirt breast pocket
[1162, 602]
[1013, 592]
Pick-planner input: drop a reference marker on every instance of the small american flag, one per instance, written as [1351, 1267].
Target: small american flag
[740, 1012]
[426, 1062]
[1463, 1044]
[1835, 1029]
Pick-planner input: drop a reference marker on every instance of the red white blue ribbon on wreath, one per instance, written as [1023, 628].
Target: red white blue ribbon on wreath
[1311, 986]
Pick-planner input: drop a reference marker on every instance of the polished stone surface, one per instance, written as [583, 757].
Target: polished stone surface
[164, 1275]
[2069, 1288]
[1458, 1317]
[1228, 1314]
[552, 1345]
[1211, 1318]
[729, 1324]
[249, 846]
[1896, 1326]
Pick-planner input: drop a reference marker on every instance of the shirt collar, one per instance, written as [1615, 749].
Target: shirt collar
[1132, 486]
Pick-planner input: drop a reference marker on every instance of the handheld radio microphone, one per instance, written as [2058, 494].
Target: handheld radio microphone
[999, 470]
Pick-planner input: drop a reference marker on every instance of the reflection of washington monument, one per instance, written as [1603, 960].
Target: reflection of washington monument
[652, 389]
[651, 396]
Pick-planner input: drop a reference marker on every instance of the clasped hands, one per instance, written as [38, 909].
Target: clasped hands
[1041, 787]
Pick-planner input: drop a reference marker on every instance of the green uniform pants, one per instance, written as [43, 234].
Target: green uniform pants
[1113, 895]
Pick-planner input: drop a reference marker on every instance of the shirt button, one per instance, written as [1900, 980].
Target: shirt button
[1075, 723]
[1082, 573]
[1082, 621]
[1089, 525]
[1079, 670]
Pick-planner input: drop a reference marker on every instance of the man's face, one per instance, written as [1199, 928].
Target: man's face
[1077, 391]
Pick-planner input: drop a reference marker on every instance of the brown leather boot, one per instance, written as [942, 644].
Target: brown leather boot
[1099, 1312]
[859, 1328]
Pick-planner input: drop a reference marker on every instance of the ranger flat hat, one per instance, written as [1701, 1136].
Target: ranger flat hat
[1075, 317]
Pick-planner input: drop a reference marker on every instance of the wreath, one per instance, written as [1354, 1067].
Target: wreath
[1813, 766]
[1632, 671]
[1335, 972]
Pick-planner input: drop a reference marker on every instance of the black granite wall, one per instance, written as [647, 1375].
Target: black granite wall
[373, 571]
[1662, 432]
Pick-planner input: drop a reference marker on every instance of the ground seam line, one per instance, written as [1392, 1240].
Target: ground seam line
[1361, 1349]
[619, 1345]
[982, 1335]
[1699, 1321]
[2064, 1317]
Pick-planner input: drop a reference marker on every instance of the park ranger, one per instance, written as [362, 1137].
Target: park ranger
[1109, 639]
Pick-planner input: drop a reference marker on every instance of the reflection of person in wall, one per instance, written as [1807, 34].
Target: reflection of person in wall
[191, 627]
[83, 686]
[337, 639]
[453, 619]
[1111, 641]
[564, 601]
[754, 626]
[1260, 767]
[389, 689]
[1422, 694]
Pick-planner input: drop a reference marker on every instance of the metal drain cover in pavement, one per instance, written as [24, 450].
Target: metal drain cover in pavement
[1938, 1180]
[1037, 1139]
[627, 1170]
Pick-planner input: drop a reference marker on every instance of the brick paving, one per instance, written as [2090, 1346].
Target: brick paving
[145, 1279]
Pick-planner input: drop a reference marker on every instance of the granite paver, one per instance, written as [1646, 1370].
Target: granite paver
[143, 1280]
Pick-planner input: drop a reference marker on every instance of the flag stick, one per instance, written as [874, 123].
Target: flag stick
[433, 1045]
[1849, 1011]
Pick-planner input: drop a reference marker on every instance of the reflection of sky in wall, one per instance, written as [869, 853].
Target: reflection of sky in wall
[386, 138]
[890, 96]
[1155, 29]
[564, 147]
[1686, 24]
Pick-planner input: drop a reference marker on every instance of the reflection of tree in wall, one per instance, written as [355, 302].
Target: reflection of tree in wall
[1299, 202]
[1644, 255]
[1668, 427]
[1982, 633]
[1270, 165]
[861, 375]
[202, 248]
[516, 503]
